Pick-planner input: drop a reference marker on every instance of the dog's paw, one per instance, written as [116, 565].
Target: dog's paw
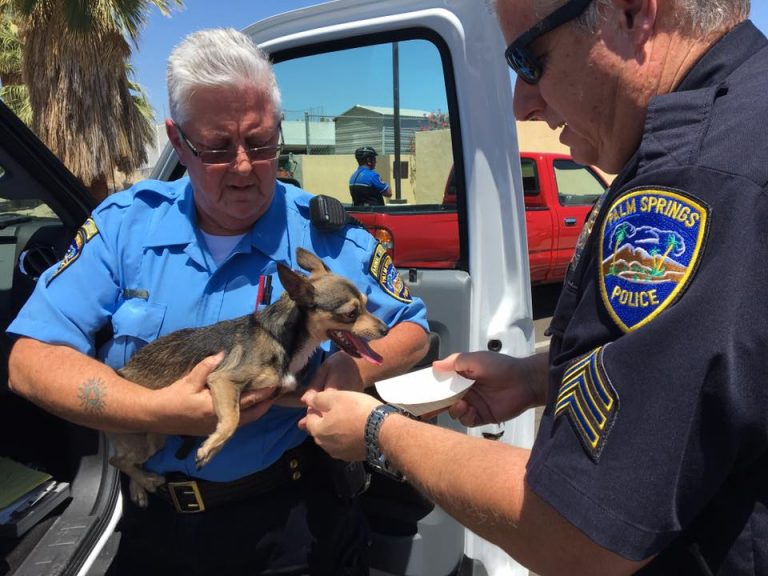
[203, 456]
[138, 494]
[152, 482]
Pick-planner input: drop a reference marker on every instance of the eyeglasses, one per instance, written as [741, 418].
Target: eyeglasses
[519, 55]
[229, 155]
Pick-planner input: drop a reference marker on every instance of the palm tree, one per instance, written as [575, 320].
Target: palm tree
[654, 252]
[618, 237]
[12, 89]
[74, 66]
[672, 243]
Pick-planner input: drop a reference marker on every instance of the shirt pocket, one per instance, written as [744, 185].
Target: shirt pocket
[134, 324]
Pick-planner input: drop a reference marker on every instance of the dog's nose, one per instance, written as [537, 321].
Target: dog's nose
[384, 330]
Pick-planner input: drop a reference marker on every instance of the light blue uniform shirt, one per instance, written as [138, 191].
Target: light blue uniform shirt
[141, 262]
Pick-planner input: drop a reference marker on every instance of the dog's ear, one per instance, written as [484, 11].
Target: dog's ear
[310, 262]
[298, 287]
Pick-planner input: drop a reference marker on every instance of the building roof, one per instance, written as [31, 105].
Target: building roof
[388, 111]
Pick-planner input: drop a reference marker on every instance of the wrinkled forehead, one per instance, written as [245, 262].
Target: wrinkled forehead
[207, 104]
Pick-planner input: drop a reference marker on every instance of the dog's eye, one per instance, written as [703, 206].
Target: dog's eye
[351, 316]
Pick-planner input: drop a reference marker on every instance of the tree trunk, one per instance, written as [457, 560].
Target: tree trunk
[98, 187]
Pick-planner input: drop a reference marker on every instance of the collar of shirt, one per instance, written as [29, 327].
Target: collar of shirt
[736, 47]
[269, 234]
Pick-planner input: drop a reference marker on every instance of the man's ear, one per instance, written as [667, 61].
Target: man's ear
[637, 19]
[175, 139]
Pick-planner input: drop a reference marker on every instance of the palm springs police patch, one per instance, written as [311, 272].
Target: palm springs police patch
[652, 240]
[87, 231]
[383, 269]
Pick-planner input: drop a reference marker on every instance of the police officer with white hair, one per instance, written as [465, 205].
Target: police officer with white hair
[164, 256]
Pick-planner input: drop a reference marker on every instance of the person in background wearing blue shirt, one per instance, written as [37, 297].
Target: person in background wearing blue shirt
[162, 256]
[365, 184]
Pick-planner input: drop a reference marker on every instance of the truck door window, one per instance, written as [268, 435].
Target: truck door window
[577, 185]
[530, 179]
[534, 199]
[391, 96]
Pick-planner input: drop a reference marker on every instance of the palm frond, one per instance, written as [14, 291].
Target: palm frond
[131, 15]
[86, 106]
[10, 52]
[16, 98]
[139, 96]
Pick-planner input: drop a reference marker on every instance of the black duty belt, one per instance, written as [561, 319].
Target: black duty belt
[187, 494]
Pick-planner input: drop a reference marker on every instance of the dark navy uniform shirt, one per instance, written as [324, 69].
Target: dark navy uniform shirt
[141, 264]
[654, 440]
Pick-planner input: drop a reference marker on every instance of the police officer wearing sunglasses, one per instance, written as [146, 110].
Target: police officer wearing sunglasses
[163, 256]
[652, 453]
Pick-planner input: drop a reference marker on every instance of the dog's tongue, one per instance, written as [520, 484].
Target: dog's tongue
[363, 349]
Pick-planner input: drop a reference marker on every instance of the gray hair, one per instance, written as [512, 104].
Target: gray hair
[697, 16]
[217, 57]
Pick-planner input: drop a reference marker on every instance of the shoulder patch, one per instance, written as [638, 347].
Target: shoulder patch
[586, 232]
[651, 245]
[383, 270]
[587, 398]
[83, 235]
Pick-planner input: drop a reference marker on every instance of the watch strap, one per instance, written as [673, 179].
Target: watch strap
[374, 456]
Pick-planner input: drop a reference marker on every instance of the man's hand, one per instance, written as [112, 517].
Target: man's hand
[194, 413]
[504, 386]
[338, 372]
[337, 420]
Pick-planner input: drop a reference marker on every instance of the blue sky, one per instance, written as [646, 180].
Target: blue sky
[162, 33]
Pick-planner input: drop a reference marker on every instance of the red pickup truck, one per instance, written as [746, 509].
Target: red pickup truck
[559, 194]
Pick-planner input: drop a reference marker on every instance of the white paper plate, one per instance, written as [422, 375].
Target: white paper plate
[423, 390]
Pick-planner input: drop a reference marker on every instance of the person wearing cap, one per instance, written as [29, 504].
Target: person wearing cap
[365, 185]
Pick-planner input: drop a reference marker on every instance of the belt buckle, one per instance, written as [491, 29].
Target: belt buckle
[186, 497]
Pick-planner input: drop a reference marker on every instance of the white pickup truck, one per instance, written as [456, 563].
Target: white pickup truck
[389, 69]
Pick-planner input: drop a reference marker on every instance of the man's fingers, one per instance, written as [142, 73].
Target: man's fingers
[308, 422]
[464, 413]
[466, 364]
[209, 364]
[319, 401]
[199, 374]
[446, 364]
[309, 396]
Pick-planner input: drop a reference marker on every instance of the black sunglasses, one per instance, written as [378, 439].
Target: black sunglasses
[229, 155]
[519, 55]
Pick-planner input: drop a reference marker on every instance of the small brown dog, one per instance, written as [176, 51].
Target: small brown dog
[264, 349]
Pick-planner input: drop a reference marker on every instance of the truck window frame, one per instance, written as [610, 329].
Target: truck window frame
[414, 33]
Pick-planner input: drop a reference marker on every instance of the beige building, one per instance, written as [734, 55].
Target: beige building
[425, 171]
[426, 157]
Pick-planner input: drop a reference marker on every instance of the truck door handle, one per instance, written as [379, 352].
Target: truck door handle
[570, 221]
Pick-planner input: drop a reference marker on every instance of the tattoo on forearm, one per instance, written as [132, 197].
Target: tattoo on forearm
[92, 395]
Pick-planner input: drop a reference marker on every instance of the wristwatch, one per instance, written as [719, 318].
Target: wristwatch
[374, 456]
